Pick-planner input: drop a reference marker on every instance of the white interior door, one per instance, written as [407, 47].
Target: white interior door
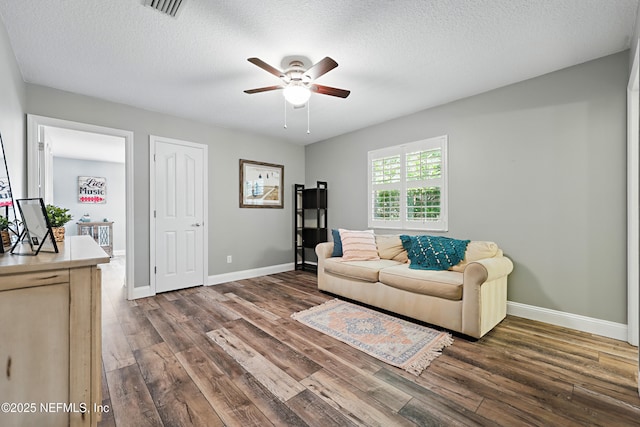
[180, 206]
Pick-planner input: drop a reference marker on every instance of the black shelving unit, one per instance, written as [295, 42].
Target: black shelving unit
[310, 224]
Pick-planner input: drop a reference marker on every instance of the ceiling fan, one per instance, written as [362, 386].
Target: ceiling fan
[298, 83]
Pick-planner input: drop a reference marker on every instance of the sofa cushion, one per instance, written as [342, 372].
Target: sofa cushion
[390, 247]
[358, 245]
[437, 283]
[361, 270]
[477, 250]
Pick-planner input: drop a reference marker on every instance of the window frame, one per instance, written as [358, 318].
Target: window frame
[434, 143]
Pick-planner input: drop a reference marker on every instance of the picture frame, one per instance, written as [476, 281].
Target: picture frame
[261, 185]
[36, 227]
[7, 205]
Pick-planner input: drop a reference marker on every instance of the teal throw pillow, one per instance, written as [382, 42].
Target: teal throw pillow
[337, 243]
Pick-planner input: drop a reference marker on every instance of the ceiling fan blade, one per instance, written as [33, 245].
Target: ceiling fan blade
[327, 90]
[263, 89]
[324, 66]
[260, 63]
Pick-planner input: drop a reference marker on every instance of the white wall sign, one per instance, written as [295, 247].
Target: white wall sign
[92, 189]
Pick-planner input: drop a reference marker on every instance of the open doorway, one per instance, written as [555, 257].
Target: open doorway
[62, 153]
[84, 163]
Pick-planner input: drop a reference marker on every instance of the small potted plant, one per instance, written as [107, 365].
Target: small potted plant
[58, 217]
[4, 230]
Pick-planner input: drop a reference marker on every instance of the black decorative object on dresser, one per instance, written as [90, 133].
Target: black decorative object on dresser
[310, 224]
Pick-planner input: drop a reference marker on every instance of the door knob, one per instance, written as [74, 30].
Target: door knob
[197, 224]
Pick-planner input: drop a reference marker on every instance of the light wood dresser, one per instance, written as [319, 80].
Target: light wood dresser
[50, 336]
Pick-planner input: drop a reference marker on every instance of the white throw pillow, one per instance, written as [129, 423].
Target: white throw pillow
[358, 245]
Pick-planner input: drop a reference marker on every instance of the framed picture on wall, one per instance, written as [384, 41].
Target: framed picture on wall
[92, 189]
[261, 185]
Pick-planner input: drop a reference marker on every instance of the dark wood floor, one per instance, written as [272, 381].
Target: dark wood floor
[160, 368]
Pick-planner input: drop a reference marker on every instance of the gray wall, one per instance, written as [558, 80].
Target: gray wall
[255, 237]
[65, 194]
[634, 39]
[12, 119]
[538, 167]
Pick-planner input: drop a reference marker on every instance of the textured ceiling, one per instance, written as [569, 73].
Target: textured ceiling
[396, 57]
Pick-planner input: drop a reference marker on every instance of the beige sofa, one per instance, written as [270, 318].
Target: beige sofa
[471, 300]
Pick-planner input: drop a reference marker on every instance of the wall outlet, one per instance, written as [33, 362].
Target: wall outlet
[229, 259]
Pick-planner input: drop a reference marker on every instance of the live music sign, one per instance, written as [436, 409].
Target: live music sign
[92, 189]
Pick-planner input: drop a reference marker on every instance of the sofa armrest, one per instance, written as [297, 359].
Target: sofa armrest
[484, 295]
[488, 269]
[324, 250]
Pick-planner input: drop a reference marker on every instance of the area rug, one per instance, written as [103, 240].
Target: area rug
[400, 343]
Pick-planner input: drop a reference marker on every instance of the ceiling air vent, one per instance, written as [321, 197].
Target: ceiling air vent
[169, 7]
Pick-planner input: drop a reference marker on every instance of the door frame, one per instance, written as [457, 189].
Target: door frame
[633, 201]
[153, 139]
[36, 180]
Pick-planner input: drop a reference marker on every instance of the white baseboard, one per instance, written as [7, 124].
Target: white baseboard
[216, 279]
[591, 325]
[145, 291]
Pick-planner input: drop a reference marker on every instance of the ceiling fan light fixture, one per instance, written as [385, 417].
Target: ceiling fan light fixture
[296, 94]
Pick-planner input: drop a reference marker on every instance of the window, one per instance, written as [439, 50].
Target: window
[408, 186]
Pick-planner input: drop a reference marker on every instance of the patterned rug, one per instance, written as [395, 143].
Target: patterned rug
[397, 342]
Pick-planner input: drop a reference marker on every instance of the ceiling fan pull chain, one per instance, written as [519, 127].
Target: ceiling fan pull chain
[285, 113]
[308, 105]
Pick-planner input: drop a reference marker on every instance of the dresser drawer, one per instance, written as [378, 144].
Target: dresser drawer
[37, 278]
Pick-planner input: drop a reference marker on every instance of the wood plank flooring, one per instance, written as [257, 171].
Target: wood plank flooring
[163, 367]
